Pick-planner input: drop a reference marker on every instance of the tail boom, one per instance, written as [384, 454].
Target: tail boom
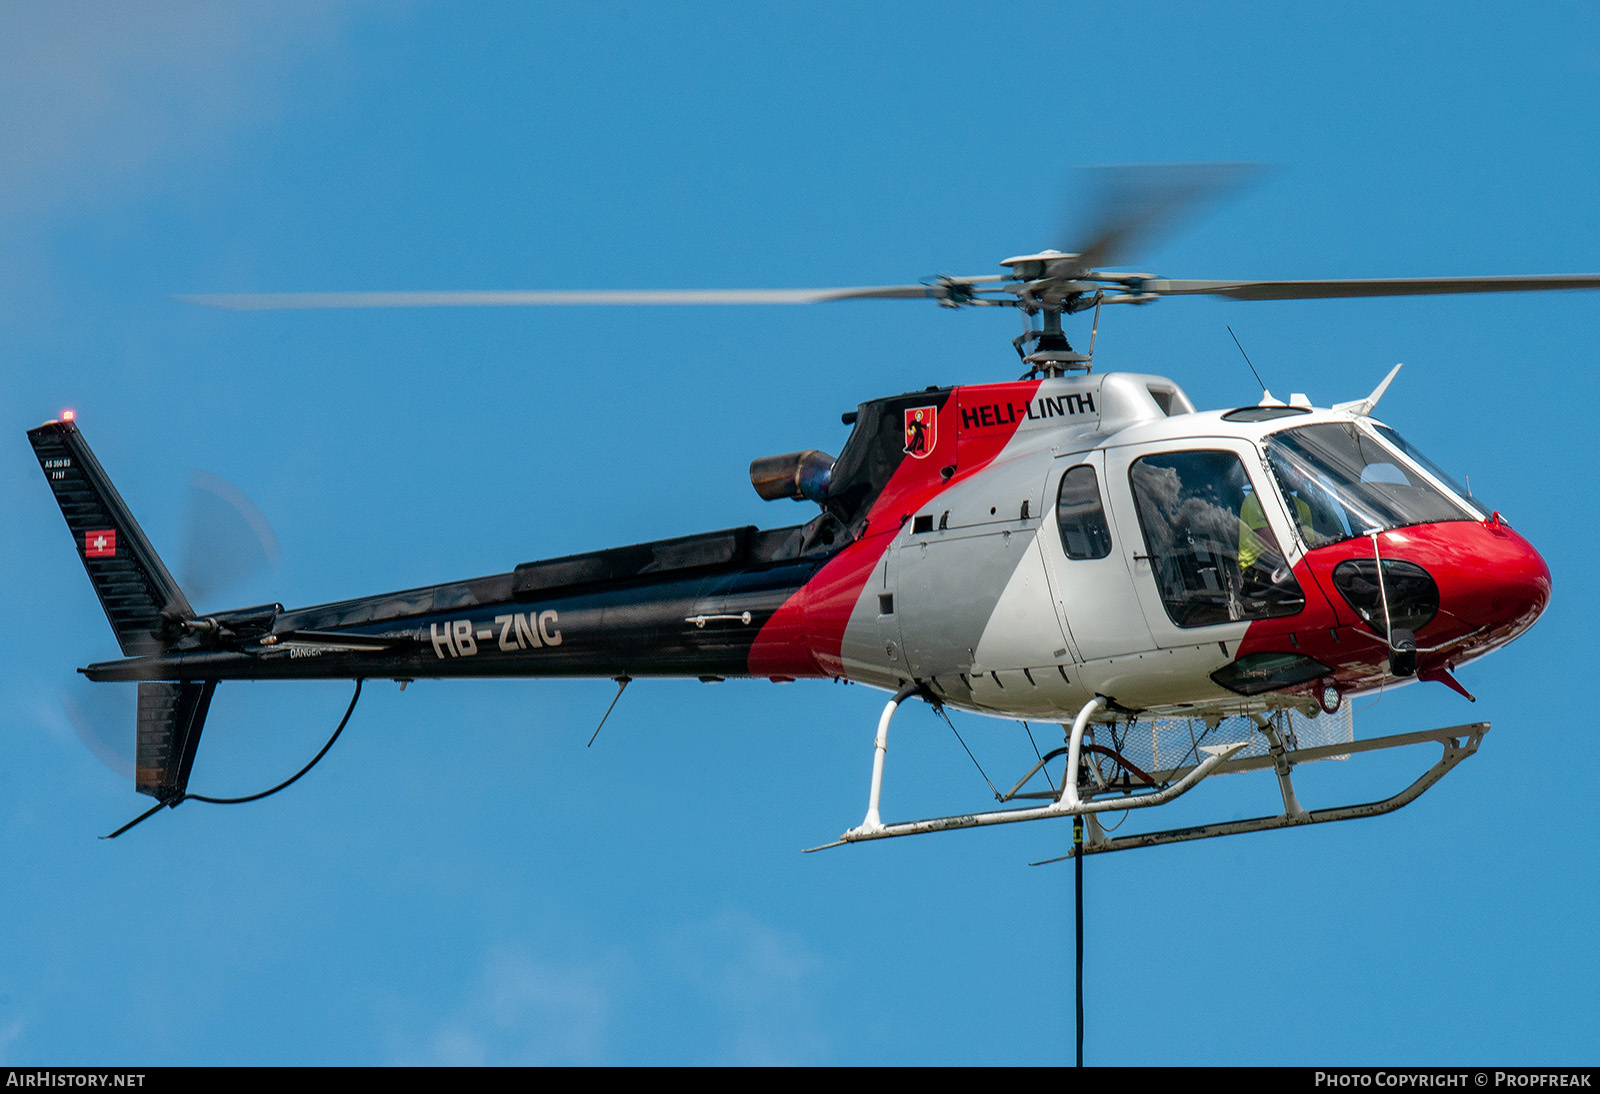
[701, 623]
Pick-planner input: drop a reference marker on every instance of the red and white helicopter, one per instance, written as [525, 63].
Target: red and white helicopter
[1188, 593]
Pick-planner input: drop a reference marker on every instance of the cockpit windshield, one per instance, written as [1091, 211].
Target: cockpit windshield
[1339, 481]
[1462, 492]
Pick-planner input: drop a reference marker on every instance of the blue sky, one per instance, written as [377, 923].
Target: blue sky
[461, 880]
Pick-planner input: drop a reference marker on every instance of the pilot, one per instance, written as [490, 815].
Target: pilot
[1256, 537]
[1263, 571]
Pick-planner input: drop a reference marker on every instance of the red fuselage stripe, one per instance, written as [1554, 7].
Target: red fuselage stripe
[805, 635]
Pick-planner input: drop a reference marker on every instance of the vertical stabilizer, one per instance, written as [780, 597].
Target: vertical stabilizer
[170, 719]
[142, 602]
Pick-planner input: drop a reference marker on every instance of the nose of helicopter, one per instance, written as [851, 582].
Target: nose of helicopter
[1491, 584]
[1495, 579]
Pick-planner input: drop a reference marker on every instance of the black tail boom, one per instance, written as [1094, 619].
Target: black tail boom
[691, 606]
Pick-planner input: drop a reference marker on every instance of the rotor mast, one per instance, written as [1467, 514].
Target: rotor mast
[1047, 284]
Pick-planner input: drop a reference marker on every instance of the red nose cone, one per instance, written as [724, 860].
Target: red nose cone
[1493, 578]
[1492, 583]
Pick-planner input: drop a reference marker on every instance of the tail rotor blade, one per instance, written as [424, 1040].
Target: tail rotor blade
[104, 718]
[227, 542]
[228, 539]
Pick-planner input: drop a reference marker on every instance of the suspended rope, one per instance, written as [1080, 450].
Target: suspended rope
[292, 779]
[284, 785]
[1077, 849]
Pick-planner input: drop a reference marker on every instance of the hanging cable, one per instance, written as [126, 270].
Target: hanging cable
[1077, 850]
[285, 784]
[1113, 827]
[292, 779]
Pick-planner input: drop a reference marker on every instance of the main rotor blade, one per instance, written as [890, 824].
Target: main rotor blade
[607, 297]
[1136, 203]
[1390, 286]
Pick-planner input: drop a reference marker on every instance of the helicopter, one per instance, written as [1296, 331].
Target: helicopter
[1187, 593]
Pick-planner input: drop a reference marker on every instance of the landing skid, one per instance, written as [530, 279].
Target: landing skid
[1458, 742]
[1083, 794]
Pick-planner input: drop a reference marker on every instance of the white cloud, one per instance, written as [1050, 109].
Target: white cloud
[524, 1012]
[9, 1033]
[761, 983]
[727, 990]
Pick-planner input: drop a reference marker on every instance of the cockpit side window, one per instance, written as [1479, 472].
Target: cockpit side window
[1081, 516]
[1214, 555]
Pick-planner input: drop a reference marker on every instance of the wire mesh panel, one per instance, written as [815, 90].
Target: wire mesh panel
[1165, 747]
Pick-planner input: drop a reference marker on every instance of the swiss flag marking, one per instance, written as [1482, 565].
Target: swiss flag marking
[100, 544]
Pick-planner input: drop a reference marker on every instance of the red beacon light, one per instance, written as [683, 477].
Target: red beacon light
[68, 415]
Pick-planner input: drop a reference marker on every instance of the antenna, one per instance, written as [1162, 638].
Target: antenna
[1247, 361]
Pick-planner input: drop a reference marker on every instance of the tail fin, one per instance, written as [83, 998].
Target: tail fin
[170, 719]
[143, 603]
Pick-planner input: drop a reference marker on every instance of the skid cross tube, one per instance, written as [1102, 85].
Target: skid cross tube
[1068, 804]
